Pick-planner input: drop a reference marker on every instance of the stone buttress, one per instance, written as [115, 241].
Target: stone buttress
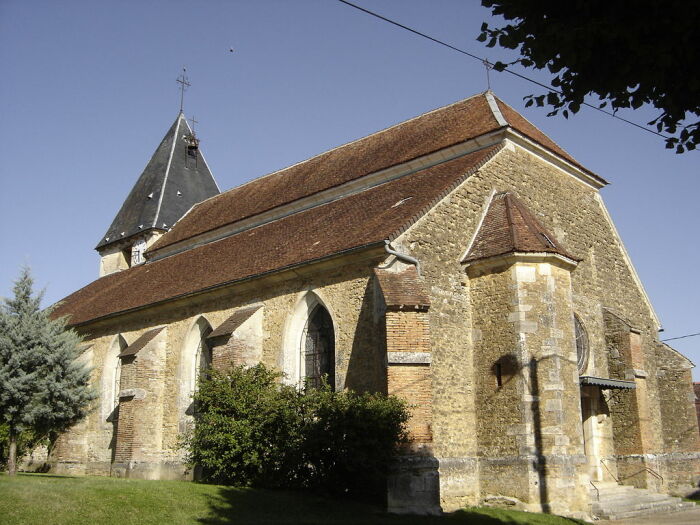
[528, 396]
[138, 447]
[413, 485]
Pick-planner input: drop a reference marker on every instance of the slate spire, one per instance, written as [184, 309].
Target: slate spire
[176, 178]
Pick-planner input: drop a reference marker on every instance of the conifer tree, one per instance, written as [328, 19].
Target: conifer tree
[43, 385]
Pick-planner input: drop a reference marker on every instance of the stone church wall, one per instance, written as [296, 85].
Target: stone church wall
[574, 213]
[154, 403]
[484, 330]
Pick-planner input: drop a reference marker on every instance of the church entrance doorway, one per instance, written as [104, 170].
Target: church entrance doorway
[591, 410]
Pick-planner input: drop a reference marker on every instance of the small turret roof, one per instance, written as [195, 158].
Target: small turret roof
[169, 186]
[509, 227]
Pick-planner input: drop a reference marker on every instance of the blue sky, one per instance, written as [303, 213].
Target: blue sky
[89, 90]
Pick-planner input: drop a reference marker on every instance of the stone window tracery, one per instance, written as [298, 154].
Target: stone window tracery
[582, 345]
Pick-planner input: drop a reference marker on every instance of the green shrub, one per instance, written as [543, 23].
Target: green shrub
[252, 431]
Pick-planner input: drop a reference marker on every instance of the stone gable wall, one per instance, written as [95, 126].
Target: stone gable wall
[574, 213]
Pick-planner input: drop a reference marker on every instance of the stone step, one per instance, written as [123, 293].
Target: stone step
[665, 509]
[623, 501]
[632, 506]
[617, 489]
[612, 487]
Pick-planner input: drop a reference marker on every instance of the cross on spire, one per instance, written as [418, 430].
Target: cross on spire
[193, 121]
[489, 66]
[184, 84]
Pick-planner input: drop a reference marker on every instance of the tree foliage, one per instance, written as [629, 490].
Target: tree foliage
[43, 385]
[627, 54]
[26, 442]
[252, 431]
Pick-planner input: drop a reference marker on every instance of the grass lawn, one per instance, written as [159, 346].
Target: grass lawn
[43, 499]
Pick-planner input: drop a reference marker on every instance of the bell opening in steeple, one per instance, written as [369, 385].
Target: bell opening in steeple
[191, 150]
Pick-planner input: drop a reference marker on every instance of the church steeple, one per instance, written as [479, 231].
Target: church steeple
[176, 178]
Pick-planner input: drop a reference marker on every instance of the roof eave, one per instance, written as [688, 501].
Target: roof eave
[127, 238]
[225, 284]
[483, 264]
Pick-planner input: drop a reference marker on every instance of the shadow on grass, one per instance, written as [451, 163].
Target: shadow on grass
[38, 475]
[248, 506]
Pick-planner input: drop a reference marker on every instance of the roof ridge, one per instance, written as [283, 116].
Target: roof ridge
[538, 129]
[514, 237]
[534, 225]
[384, 130]
[180, 116]
[493, 106]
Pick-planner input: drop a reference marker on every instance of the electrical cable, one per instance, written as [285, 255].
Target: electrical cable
[485, 61]
[523, 77]
[680, 337]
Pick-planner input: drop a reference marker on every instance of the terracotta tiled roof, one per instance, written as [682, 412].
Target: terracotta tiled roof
[508, 227]
[141, 342]
[355, 221]
[404, 288]
[524, 126]
[438, 129]
[230, 325]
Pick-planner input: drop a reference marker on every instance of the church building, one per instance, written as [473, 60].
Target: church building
[461, 260]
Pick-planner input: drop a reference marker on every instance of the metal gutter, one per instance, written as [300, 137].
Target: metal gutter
[402, 256]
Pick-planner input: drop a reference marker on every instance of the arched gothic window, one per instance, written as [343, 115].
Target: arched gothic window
[195, 359]
[318, 348]
[111, 376]
[582, 347]
[202, 361]
[117, 382]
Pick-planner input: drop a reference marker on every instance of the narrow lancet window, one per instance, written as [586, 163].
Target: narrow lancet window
[582, 348]
[319, 349]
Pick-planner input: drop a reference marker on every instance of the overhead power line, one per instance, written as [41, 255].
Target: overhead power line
[485, 61]
[680, 337]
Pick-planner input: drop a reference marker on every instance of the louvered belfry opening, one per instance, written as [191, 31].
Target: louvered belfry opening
[319, 349]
